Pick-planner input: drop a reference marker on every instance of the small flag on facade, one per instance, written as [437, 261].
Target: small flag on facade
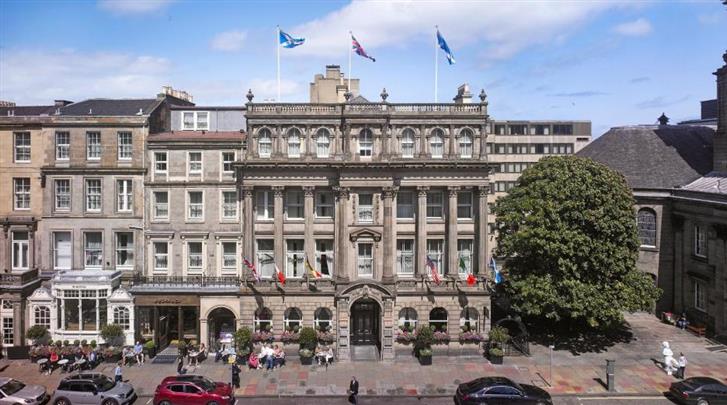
[495, 271]
[359, 49]
[311, 271]
[471, 280]
[445, 48]
[287, 41]
[281, 276]
[251, 266]
[434, 274]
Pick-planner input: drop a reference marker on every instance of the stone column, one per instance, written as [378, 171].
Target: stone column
[421, 231]
[481, 231]
[452, 142]
[310, 246]
[483, 141]
[422, 142]
[341, 235]
[248, 222]
[452, 248]
[389, 238]
[203, 331]
[278, 227]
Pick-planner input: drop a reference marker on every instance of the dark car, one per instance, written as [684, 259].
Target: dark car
[499, 390]
[700, 391]
[193, 390]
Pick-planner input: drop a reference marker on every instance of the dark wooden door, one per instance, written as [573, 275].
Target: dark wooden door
[365, 323]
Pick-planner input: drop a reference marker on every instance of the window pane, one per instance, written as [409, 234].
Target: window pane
[93, 145]
[125, 249]
[161, 204]
[63, 194]
[62, 250]
[405, 205]
[125, 148]
[93, 249]
[365, 260]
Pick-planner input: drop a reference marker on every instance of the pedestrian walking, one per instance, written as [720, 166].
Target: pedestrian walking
[669, 362]
[682, 364]
[353, 391]
[118, 372]
[180, 365]
[235, 375]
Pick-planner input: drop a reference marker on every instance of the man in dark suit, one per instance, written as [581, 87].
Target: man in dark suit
[353, 391]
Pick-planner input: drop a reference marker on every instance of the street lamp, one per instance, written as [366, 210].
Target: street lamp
[550, 372]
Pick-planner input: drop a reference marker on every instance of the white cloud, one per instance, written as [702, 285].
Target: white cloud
[133, 6]
[634, 28]
[39, 77]
[500, 29]
[229, 41]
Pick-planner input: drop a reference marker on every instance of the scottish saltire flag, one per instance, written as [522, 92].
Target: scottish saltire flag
[359, 49]
[445, 48]
[496, 271]
[289, 42]
[434, 275]
[251, 266]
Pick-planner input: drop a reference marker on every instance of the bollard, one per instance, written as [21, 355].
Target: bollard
[610, 371]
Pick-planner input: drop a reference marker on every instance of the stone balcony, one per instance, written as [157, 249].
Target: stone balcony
[19, 280]
[418, 109]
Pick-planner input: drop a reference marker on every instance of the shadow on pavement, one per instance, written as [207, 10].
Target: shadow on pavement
[575, 338]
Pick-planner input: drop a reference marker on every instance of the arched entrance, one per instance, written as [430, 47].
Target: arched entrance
[365, 323]
[221, 322]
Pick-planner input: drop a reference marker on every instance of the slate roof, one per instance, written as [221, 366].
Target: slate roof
[713, 182]
[653, 156]
[110, 107]
[27, 111]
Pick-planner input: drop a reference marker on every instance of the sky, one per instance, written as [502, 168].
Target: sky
[611, 62]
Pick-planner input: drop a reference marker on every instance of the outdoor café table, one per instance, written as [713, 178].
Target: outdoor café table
[63, 363]
[41, 363]
[193, 356]
[78, 364]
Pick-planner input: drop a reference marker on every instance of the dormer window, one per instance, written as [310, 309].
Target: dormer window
[195, 120]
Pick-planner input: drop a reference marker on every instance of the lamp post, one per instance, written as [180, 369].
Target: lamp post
[550, 372]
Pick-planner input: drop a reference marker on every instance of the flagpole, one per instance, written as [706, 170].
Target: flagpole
[277, 47]
[350, 48]
[436, 65]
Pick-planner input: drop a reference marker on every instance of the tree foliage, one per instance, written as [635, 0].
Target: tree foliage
[568, 231]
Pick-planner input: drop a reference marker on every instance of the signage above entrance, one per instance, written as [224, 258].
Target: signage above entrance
[175, 300]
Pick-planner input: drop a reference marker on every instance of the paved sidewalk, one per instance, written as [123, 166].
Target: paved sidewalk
[636, 372]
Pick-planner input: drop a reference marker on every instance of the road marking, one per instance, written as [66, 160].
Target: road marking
[621, 398]
[147, 402]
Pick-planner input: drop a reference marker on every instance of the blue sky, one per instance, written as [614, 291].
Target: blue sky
[611, 62]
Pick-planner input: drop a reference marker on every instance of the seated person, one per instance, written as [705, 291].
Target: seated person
[682, 323]
[253, 361]
[202, 352]
[92, 359]
[278, 357]
[53, 360]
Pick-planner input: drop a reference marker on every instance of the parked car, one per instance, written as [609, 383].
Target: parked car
[193, 390]
[699, 391]
[92, 389]
[499, 390]
[14, 392]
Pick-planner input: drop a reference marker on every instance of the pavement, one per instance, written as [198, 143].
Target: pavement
[575, 378]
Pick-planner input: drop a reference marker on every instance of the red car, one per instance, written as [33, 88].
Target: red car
[193, 390]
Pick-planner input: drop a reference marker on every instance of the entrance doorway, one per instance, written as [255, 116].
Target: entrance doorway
[222, 326]
[365, 323]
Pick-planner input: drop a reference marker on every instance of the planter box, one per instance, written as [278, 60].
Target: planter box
[113, 359]
[306, 361]
[495, 359]
[18, 352]
[151, 353]
[425, 360]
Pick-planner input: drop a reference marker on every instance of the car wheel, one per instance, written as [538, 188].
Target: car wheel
[540, 403]
[702, 402]
[164, 403]
[109, 402]
[62, 401]
[212, 403]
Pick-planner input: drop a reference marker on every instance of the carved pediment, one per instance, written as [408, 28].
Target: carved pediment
[365, 233]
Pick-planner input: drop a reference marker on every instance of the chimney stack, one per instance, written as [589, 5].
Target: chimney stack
[61, 103]
[463, 95]
[663, 119]
[720, 138]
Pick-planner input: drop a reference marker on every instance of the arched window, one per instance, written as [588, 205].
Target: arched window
[469, 320]
[41, 316]
[121, 317]
[407, 143]
[293, 319]
[323, 143]
[263, 319]
[408, 319]
[438, 319]
[365, 142]
[294, 143]
[264, 143]
[323, 319]
[465, 144]
[646, 222]
[436, 143]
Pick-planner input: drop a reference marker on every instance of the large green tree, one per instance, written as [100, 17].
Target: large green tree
[569, 234]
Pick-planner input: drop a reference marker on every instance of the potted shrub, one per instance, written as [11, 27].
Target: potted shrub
[308, 340]
[243, 344]
[38, 352]
[93, 344]
[423, 345]
[289, 336]
[111, 354]
[498, 337]
[39, 334]
[113, 334]
[150, 348]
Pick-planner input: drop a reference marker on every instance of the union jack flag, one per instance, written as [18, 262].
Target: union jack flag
[251, 266]
[359, 49]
